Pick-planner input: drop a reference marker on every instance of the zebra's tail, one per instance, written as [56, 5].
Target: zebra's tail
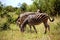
[51, 19]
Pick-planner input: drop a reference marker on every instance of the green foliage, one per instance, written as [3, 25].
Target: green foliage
[4, 13]
[57, 26]
[9, 9]
[57, 7]
[18, 11]
[1, 6]
[46, 5]
[7, 19]
[5, 26]
[32, 8]
[23, 7]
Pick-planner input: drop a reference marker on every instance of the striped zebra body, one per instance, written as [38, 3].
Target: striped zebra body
[22, 17]
[37, 19]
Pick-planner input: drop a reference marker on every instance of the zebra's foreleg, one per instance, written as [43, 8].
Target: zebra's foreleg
[30, 27]
[34, 28]
[23, 25]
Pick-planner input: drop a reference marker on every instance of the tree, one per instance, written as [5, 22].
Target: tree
[57, 7]
[9, 8]
[23, 7]
[1, 6]
[32, 8]
[45, 5]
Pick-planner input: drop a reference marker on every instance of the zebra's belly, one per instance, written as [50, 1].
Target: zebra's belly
[35, 21]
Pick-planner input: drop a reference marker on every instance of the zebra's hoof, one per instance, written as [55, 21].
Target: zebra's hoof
[44, 32]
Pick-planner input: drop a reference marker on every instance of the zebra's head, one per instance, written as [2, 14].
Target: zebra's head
[18, 21]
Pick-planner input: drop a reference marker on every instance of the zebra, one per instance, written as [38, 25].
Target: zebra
[37, 19]
[23, 16]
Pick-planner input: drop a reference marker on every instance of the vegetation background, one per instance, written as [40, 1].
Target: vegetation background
[10, 31]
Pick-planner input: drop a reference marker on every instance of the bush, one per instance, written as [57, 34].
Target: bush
[18, 11]
[57, 26]
[5, 26]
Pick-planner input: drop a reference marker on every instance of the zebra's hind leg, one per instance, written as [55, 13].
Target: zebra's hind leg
[45, 24]
[34, 28]
[48, 28]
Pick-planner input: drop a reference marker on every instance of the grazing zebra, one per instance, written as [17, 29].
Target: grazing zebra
[37, 19]
[23, 16]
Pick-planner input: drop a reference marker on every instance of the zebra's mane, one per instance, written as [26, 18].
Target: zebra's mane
[26, 13]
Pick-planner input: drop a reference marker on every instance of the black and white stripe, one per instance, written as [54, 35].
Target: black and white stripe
[37, 19]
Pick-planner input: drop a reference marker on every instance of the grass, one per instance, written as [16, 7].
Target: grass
[15, 34]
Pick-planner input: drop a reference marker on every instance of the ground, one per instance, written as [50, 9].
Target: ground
[15, 34]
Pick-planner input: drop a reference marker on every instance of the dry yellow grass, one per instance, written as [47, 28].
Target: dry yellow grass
[15, 34]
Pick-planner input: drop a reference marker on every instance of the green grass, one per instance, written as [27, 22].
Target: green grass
[15, 34]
